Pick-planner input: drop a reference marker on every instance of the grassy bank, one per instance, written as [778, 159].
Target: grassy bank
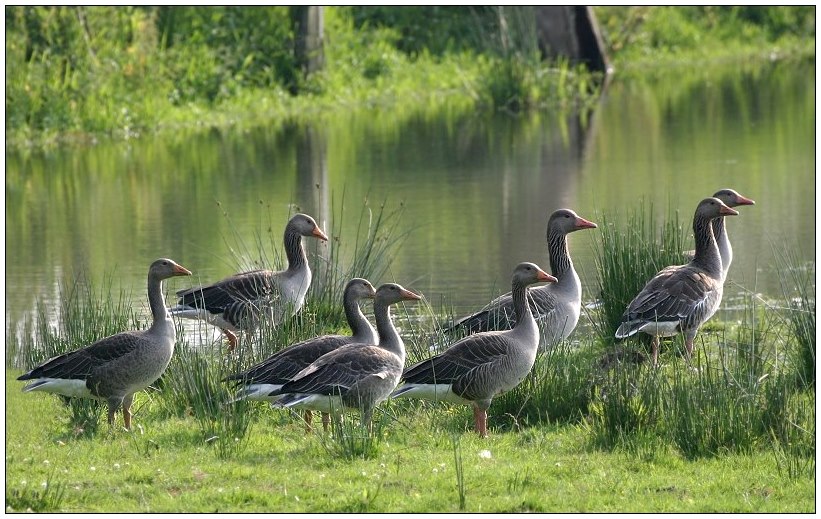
[592, 428]
[79, 74]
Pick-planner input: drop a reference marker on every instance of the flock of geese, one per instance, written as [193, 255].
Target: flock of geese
[332, 372]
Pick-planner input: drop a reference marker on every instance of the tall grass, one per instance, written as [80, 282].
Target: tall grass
[557, 389]
[29, 498]
[798, 289]
[630, 251]
[192, 386]
[85, 314]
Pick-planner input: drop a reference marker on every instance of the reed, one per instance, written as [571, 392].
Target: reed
[192, 386]
[459, 469]
[86, 314]
[798, 289]
[629, 254]
[350, 439]
[557, 389]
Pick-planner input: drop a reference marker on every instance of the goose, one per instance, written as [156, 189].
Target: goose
[259, 380]
[114, 368]
[556, 306]
[680, 298]
[731, 198]
[354, 376]
[479, 367]
[237, 302]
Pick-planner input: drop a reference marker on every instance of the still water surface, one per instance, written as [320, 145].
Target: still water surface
[476, 190]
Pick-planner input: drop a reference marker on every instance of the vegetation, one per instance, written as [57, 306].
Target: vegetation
[80, 73]
[731, 430]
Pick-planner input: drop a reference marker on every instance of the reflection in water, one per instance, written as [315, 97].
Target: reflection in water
[477, 189]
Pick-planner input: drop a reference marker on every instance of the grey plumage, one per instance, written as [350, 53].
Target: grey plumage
[259, 380]
[238, 302]
[357, 376]
[556, 306]
[114, 368]
[680, 298]
[481, 366]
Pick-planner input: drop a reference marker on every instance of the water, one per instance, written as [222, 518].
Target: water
[476, 189]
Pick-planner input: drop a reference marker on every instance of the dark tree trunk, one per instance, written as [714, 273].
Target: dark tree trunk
[572, 32]
[309, 34]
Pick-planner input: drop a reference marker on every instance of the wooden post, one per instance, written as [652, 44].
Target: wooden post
[309, 29]
[572, 32]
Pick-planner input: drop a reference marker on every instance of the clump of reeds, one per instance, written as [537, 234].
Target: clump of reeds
[192, 386]
[557, 389]
[627, 255]
[351, 439]
[85, 315]
[799, 291]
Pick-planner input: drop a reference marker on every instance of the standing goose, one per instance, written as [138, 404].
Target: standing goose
[357, 376]
[237, 302]
[269, 375]
[556, 305]
[114, 368]
[730, 198]
[481, 366]
[680, 298]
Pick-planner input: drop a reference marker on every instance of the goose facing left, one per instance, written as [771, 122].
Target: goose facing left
[237, 302]
[114, 368]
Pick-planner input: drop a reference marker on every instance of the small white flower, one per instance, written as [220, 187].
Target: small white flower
[435, 470]
[44, 484]
[220, 490]
[24, 482]
[92, 469]
[46, 462]
[485, 454]
[364, 473]
[116, 465]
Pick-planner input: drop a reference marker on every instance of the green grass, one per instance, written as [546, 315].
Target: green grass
[166, 465]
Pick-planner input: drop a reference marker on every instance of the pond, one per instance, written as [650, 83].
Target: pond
[475, 189]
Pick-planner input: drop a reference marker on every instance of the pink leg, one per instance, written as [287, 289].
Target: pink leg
[232, 339]
[480, 421]
[308, 418]
[688, 345]
[655, 351]
[127, 411]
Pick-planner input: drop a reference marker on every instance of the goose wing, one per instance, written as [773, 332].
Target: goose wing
[80, 364]
[237, 289]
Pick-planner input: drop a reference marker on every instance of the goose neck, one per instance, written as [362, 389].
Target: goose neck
[560, 262]
[356, 319]
[707, 255]
[159, 312]
[294, 249]
[389, 338]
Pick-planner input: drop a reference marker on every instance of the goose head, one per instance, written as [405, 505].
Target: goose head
[391, 293]
[165, 268]
[710, 208]
[731, 198]
[306, 226]
[527, 273]
[358, 289]
[566, 221]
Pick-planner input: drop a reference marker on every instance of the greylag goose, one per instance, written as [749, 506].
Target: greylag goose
[556, 305]
[237, 302]
[680, 298]
[356, 376]
[730, 198]
[258, 381]
[481, 366]
[114, 368]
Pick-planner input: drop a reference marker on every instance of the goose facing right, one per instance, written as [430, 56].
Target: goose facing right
[556, 306]
[114, 368]
[680, 298]
[259, 380]
[481, 366]
[355, 376]
[238, 302]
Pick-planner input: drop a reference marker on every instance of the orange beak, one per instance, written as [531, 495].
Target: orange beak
[581, 223]
[407, 294]
[544, 276]
[181, 271]
[319, 234]
[743, 200]
[729, 211]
